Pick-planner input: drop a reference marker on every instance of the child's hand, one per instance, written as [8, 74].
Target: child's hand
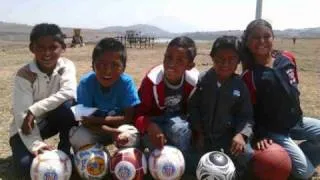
[238, 144]
[28, 123]
[156, 136]
[42, 149]
[263, 144]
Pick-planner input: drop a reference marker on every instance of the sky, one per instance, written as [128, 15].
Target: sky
[170, 15]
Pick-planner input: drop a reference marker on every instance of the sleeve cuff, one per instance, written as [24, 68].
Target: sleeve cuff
[142, 124]
[246, 132]
[35, 111]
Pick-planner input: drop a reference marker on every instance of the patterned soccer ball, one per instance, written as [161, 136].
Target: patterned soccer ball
[166, 164]
[53, 164]
[129, 132]
[215, 165]
[92, 162]
[128, 164]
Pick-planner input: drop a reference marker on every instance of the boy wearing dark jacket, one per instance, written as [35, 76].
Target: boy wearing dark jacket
[220, 110]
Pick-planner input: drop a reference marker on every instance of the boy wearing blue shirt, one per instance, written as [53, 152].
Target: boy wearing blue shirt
[110, 90]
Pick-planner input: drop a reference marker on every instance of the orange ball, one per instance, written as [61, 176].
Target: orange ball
[272, 163]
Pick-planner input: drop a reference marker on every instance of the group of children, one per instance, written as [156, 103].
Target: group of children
[216, 109]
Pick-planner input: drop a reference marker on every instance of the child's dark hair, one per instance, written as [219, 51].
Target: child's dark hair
[246, 55]
[45, 29]
[186, 43]
[225, 42]
[109, 45]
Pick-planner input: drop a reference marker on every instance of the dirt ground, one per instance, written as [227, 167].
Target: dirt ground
[13, 56]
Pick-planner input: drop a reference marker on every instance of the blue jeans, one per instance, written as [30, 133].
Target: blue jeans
[305, 157]
[176, 130]
[59, 120]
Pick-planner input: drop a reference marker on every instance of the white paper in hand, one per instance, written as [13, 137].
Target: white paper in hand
[79, 111]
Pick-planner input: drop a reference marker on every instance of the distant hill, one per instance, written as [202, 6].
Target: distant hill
[147, 30]
[14, 27]
[212, 35]
[14, 32]
[288, 33]
[305, 33]
[20, 32]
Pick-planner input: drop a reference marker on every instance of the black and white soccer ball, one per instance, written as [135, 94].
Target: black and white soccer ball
[215, 165]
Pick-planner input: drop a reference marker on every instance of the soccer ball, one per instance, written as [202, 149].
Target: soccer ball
[129, 132]
[215, 165]
[128, 164]
[92, 162]
[166, 164]
[53, 164]
[80, 136]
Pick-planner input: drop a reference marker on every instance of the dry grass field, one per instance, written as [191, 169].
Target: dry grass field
[13, 56]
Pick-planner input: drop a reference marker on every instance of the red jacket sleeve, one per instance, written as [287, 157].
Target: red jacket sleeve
[145, 107]
[248, 78]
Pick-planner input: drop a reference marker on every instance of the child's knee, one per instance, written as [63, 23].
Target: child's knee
[181, 137]
[65, 106]
[63, 116]
[80, 136]
[181, 128]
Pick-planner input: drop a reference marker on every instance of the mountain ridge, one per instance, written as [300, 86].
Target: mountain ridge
[20, 32]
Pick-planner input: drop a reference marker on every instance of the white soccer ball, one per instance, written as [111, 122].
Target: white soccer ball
[215, 165]
[129, 132]
[166, 164]
[128, 164]
[53, 164]
[92, 162]
[80, 136]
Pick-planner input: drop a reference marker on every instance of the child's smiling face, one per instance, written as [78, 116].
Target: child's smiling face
[176, 62]
[225, 62]
[260, 41]
[108, 68]
[47, 51]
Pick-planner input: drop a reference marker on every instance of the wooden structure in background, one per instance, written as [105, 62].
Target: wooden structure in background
[135, 39]
[77, 39]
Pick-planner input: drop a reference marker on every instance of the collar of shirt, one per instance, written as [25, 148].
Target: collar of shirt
[34, 67]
